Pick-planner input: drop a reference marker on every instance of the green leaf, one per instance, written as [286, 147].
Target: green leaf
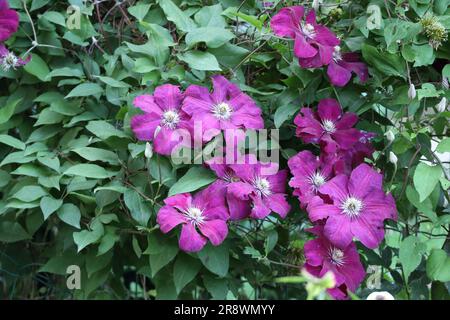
[85, 89]
[104, 130]
[37, 67]
[30, 193]
[444, 146]
[96, 154]
[139, 209]
[184, 270]
[12, 142]
[7, 111]
[89, 171]
[50, 205]
[215, 259]
[176, 15]
[139, 11]
[410, 254]
[218, 288]
[113, 82]
[70, 214]
[200, 60]
[284, 113]
[194, 179]
[211, 16]
[213, 37]
[438, 265]
[84, 238]
[425, 179]
[12, 232]
[167, 253]
[387, 63]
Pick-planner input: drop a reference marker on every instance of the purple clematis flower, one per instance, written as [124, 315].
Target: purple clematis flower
[239, 208]
[343, 64]
[323, 256]
[329, 126]
[9, 21]
[358, 208]
[163, 116]
[8, 60]
[309, 174]
[265, 190]
[202, 217]
[226, 108]
[313, 43]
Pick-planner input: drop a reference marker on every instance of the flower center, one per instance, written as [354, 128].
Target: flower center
[9, 61]
[222, 111]
[316, 180]
[195, 215]
[337, 56]
[352, 206]
[170, 119]
[263, 186]
[230, 177]
[308, 30]
[336, 256]
[328, 126]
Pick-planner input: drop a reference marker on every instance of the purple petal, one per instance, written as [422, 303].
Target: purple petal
[144, 126]
[337, 230]
[260, 210]
[9, 21]
[239, 209]
[147, 104]
[190, 239]
[278, 204]
[336, 188]
[302, 48]
[168, 96]
[180, 201]
[168, 218]
[318, 210]
[285, 22]
[339, 76]
[215, 230]
[329, 109]
[363, 180]
[368, 229]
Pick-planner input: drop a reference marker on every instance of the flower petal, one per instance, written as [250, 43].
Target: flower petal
[190, 239]
[215, 230]
[168, 218]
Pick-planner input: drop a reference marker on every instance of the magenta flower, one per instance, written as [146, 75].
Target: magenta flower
[329, 126]
[358, 208]
[309, 174]
[226, 108]
[313, 43]
[323, 256]
[265, 189]
[341, 67]
[9, 21]
[239, 208]
[8, 60]
[202, 217]
[161, 119]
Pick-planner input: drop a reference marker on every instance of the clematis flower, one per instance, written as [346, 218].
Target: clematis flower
[342, 65]
[358, 208]
[313, 43]
[227, 107]
[9, 21]
[8, 60]
[239, 208]
[266, 191]
[309, 174]
[162, 117]
[202, 217]
[323, 256]
[328, 126]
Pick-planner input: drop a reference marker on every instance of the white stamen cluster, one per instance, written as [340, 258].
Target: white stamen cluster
[337, 55]
[262, 185]
[336, 256]
[328, 126]
[9, 61]
[308, 30]
[170, 119]
[222, 111]
[316, 180]
[195, 215]
[352, 206]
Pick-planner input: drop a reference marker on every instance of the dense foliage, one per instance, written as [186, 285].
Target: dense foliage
[79, 184]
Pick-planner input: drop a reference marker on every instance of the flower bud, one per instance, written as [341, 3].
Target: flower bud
[442, 105]
[380, 295]
[390, 136]
[148, 153]
[393, 158]
[412, 92]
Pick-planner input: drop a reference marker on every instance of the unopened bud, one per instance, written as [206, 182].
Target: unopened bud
[148, 153]
[412, 92]
[442, 105]
[390, 136]
[393, 158]
[380, 295]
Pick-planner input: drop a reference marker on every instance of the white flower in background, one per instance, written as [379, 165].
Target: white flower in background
[380, 295]
[393, 158]
[442, 105]
[316, 4]
[412, 92]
